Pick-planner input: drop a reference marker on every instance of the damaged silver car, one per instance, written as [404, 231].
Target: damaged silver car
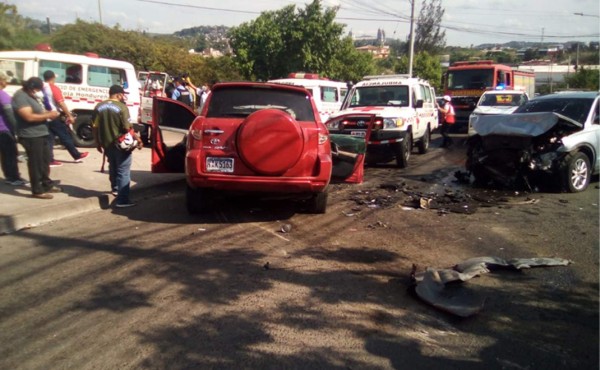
[555, 135]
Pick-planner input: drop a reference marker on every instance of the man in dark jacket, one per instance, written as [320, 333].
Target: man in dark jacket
[111, 121]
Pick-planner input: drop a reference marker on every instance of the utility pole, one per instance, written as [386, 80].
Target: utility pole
[412, 37]
[100, 10]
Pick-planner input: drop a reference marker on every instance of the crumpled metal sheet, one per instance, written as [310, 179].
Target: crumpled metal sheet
[521, 124]
[432, 289]
[431, 285]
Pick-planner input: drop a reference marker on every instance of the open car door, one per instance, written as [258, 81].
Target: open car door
[171, 121]
[348, 151]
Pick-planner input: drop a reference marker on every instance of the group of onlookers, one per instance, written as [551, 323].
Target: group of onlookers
[186, 92]
[33, 118]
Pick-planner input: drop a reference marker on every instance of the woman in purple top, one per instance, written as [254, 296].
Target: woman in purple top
[8, 143]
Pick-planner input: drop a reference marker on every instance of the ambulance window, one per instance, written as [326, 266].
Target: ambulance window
[65, 72]
[106, 77]
[328, 94]
[426, 94]
[343, 92]
[14, 70]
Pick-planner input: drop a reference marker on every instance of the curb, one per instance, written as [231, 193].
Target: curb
[43, 215]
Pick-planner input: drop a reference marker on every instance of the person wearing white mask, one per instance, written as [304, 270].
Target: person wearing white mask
[32, 130]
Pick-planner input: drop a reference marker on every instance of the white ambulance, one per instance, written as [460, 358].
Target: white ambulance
[328, 95]
[400, 110]
[83, 79]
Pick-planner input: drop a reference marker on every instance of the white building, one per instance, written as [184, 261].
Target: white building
[552, 73]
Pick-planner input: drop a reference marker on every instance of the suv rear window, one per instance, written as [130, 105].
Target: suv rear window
[574, 108]
[242, 101]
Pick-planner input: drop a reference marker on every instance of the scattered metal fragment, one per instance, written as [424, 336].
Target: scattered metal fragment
[433, 291]
[431, 285]
[425, 203]
[377, 225]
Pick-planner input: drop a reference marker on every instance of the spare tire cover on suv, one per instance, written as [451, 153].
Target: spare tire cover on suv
[270, 142]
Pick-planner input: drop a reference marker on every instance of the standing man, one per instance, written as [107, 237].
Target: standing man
[33, 135]
[205, 90]
[111, 121]
[8, 143]
[447, 111]
[181, 93]
[54, 100]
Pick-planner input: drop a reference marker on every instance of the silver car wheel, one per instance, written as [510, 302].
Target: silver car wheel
[579, 174]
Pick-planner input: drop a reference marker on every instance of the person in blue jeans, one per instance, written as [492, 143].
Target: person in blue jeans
[54, 100]
[110, 122]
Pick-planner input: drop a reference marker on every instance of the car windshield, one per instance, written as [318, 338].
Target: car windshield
[574, 108]
[241, 101]
[504, 100]
[380, 95]
[470, 79]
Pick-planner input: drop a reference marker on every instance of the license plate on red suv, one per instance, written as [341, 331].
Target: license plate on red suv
[219, 164]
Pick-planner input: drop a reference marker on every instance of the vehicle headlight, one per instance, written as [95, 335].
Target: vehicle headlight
[333, 125]
[472, 118]
[392, 122]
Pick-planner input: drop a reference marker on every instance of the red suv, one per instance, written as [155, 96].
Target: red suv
[255, 137]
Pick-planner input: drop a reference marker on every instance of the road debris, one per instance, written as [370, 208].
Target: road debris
[286, 228]
[444, 201]
[432, 285]
[377, 225]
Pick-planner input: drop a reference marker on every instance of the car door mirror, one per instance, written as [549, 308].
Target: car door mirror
[419, 103]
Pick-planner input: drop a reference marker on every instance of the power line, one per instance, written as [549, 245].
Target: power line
[399, 18]
[199, 7]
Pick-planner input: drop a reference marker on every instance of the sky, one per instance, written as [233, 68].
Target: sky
[466, 22]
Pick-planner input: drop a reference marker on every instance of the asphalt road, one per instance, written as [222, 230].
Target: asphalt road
[152, 287]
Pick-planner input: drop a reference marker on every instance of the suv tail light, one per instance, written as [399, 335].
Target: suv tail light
[196, 133]
[323, 138]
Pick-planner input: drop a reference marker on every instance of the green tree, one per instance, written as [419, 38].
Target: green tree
[289, 40]
[425, 66]
[350, 65]
[17, 32]
[584, 78]
[428, 34]
[502, 57]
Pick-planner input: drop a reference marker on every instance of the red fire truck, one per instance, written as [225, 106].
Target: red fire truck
[466, 82]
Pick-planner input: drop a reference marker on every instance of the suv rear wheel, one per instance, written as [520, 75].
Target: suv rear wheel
[575, 172]
[403, 150]
[318, 202]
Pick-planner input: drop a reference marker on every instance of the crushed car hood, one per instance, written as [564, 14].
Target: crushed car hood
[522, 124]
